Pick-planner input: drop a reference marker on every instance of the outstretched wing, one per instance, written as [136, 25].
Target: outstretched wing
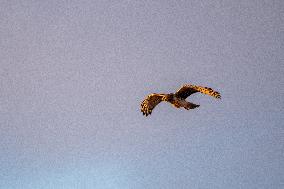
[149, 103]
[187, 90]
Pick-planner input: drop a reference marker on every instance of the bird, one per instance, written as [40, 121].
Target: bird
[177, 99]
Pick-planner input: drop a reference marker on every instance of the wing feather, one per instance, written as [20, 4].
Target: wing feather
[188, 90]
[150, 102]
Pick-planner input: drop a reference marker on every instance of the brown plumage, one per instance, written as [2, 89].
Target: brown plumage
[176, 99]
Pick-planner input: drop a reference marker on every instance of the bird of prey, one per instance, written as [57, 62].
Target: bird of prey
[176, 99]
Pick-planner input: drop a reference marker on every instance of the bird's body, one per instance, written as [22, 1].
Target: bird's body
[176, 99]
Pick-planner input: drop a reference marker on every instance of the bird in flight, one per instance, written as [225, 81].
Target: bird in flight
[176, 99]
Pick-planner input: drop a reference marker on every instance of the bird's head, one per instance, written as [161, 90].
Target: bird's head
[169, 97]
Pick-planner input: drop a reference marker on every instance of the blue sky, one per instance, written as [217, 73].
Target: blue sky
[73, 74]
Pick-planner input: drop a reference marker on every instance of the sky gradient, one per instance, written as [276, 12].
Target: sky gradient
[73, 74]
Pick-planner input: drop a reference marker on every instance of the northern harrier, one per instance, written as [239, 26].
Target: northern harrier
[176, 99]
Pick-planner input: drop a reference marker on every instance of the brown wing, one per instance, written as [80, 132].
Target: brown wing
[187, 90]
[149, 103]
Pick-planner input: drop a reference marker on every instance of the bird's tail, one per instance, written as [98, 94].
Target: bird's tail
[190, 105]
[206, 90]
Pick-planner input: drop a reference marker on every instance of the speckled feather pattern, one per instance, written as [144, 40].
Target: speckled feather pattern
[177, 99]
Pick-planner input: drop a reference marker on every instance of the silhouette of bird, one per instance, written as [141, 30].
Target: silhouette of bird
[176, 99]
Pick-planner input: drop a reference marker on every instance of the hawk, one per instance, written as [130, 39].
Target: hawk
[176, 99]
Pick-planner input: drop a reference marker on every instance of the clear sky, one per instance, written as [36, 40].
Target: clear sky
[73, 74]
